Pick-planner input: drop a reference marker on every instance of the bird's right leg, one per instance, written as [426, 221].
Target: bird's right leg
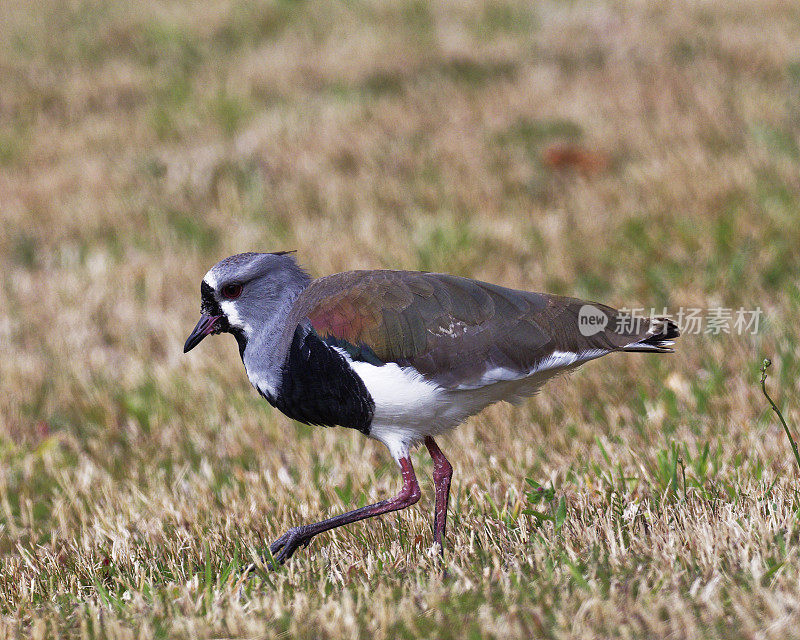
[283, 548]
[442, 473]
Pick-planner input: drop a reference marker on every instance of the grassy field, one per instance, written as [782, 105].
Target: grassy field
[635, 153]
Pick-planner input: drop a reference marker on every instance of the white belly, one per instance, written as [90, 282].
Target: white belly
[408, 407]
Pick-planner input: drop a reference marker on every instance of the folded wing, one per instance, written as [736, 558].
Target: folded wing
[461, 333]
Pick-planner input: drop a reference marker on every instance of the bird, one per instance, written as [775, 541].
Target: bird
[401, 356]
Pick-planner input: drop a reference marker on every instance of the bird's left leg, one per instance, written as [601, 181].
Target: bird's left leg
[283, 548]
[442, 472]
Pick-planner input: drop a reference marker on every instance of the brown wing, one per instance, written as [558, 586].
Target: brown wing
[451, 329]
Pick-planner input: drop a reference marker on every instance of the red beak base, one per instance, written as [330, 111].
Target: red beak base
[204, 327]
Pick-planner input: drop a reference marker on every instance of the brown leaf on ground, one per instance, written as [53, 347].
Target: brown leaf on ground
[563, 157]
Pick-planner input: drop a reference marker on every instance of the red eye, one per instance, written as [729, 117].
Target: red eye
[231, 291]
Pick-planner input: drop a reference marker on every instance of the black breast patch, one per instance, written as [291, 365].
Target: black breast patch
[319, 387]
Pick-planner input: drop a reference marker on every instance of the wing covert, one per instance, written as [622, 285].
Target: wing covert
[451, 329]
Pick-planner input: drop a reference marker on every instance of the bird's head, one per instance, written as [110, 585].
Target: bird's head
[241, 293]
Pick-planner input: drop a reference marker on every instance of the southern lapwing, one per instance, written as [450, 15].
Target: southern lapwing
[401, 356]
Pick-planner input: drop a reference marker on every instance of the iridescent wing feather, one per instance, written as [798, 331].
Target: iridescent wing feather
[452, 330]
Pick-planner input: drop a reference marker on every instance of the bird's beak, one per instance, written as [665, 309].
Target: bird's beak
[206, 325]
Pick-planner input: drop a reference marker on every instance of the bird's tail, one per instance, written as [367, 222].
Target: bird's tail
[659, 337]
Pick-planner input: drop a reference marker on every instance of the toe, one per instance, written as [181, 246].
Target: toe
[280, 542]
[285, 546]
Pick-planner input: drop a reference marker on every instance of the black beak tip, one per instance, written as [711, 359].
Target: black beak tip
[203, 328]
[192, 341]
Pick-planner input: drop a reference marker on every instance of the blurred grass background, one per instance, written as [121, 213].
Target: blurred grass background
[637, 153]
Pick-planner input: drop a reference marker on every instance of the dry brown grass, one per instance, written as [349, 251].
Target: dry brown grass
[141, 142]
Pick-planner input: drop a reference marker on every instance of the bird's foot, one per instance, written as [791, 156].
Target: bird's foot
[285, 546]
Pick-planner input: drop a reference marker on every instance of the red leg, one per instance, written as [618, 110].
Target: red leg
[442, 472]
[283, 548]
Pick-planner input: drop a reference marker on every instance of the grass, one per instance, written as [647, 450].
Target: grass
[768, 363]
[641, 497]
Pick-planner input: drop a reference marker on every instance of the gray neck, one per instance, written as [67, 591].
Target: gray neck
[266, 350]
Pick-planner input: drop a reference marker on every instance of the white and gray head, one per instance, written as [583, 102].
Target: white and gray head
[247, 294]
